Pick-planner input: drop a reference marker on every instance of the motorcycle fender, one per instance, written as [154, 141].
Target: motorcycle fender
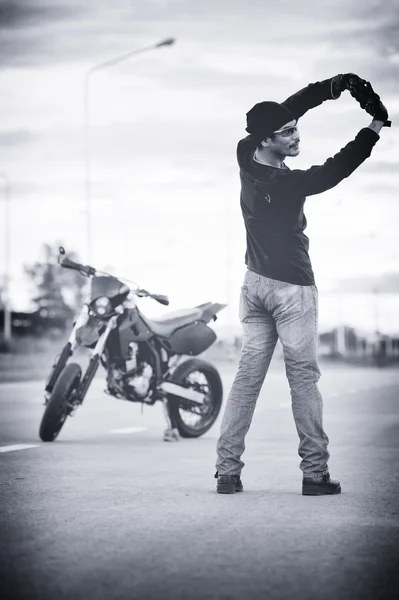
[210, 310]
[192, 339]
[89, 333]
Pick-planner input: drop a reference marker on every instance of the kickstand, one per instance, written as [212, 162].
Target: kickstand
[171, 434]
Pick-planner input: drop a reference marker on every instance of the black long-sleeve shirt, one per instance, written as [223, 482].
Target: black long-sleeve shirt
[272, 199]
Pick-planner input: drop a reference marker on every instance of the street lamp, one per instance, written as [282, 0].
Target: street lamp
[104, 65]
[7, 310]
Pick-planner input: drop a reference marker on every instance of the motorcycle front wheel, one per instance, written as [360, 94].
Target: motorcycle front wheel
[58, 405]
[201, 376]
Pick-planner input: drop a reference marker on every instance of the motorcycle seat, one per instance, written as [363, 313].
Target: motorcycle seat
[165, 326]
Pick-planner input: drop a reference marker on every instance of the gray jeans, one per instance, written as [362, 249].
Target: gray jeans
[272, 310]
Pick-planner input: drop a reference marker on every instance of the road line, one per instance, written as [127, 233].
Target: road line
[14, 447]
[127, 430]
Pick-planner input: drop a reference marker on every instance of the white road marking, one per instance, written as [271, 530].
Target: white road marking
[285, 405]
[13, 447]
[128, 430]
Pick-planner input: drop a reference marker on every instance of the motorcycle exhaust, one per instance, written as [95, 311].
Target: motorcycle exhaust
[178, 390]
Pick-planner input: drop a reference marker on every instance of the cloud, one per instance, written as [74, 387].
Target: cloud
[101, 30]
[381, 187]
[16, 14]
[382, 167]
[169, 121]
[15, 137]
[386, 38]
[387, 283]
[29, 30]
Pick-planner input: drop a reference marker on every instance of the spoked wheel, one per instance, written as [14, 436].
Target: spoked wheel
[201, 376]
[59, 403]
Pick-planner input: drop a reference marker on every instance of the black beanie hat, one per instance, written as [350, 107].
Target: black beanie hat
[266, 117]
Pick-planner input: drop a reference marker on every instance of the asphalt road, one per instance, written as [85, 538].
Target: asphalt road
[110, 511]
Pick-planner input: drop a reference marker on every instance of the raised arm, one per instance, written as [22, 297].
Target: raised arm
[320, 178]
[316, 93]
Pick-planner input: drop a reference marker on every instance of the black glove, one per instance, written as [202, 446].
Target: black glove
[380, 112]
[345, 80]
[340, 82]
[368, 99]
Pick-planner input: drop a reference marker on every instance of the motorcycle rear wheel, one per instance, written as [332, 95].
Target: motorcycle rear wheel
[57, 408]
[213, 402]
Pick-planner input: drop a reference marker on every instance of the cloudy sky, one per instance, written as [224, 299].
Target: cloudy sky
[164, 126]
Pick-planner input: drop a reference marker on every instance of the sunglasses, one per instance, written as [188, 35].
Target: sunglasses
[287, 132]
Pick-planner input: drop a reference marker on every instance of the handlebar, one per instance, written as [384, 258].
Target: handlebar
[67, 263]
[141, 293]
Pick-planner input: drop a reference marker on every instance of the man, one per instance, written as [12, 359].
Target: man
[279, 298]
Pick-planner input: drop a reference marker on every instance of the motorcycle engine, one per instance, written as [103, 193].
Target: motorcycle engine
[140, 374]
[141, 381]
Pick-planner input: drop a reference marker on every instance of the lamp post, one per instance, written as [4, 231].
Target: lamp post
[7, 310]
[103, 65]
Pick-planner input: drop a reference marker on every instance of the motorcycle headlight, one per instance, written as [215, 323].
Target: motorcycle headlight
[102, 306]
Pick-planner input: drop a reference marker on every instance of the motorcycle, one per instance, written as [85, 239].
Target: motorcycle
[145, 359]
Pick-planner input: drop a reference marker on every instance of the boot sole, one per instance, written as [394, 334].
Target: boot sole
[228, 488]
[317, 490]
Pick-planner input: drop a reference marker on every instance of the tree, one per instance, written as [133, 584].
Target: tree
[59, 292]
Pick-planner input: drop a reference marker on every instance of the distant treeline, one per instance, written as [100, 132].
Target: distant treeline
[38, 322]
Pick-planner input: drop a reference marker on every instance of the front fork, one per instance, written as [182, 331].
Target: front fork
[95, 359]
[67, 351]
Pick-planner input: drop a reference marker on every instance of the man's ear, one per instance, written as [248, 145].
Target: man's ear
[264, 143]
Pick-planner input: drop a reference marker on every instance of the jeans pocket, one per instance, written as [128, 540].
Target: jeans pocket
[247, 295]
[243, 310]
[247, 309]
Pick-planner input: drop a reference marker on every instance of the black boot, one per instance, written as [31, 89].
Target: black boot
[228, 484]
[319, 486]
